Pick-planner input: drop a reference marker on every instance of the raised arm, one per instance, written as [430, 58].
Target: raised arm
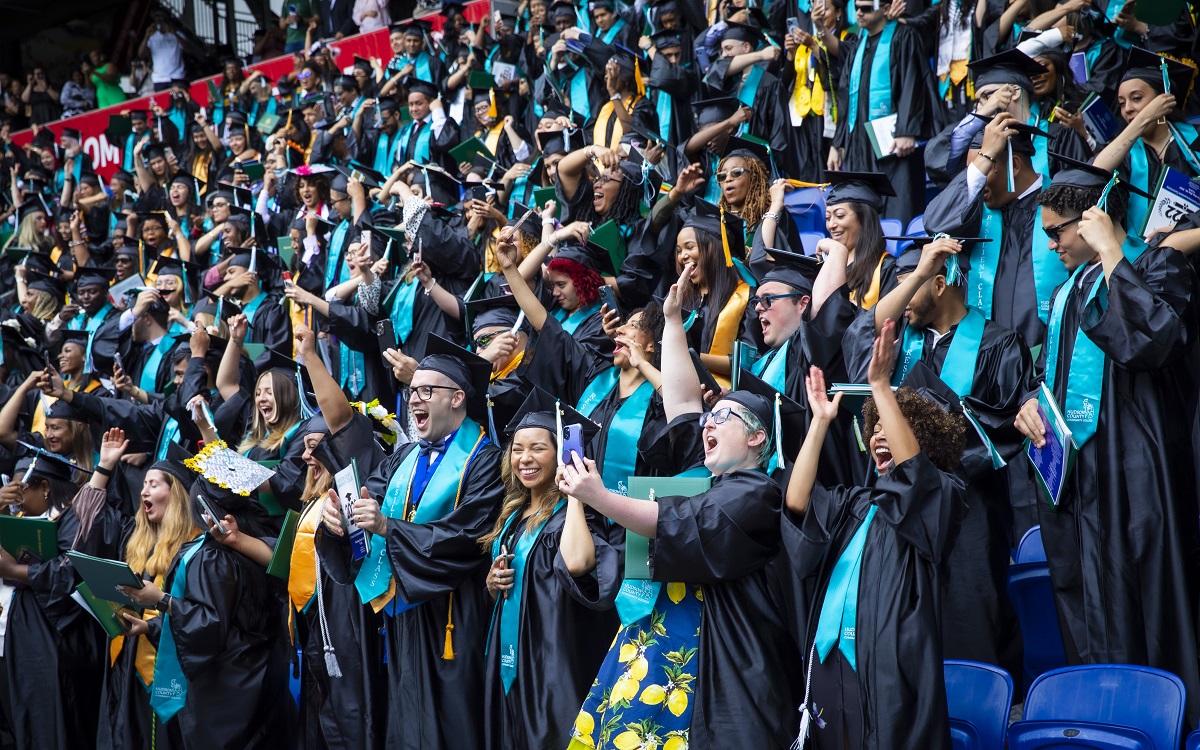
[12, 410]
[832, 275]
[681, 392]
[804, 472]
[1116, 151]
[334, 406]
[574, 165]
[506, 256]
[900, 438]
[933, 256]
[231, 359]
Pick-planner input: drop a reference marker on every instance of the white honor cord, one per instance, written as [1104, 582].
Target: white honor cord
[805, 713]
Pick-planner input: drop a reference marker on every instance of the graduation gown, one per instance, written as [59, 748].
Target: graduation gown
[135, 355]
[748, 679]
[1014, 305]
[231, 649]
[911, 94]
[54, 651]
[901, 689]
[433, 701]
[271, 326]
[1124, 572]
[679, 83]
[978, 620]
[566, 624]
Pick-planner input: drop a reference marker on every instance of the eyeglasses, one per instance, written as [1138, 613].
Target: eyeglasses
[222, 204]
[735, 173]
[305, 75]
[424, 392]
[339, 200]
[720, 416]
[607, 178]
[1054, 231]
[768, 299]
[485, 340]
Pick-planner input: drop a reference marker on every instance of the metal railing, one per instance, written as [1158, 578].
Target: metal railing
[207, 20]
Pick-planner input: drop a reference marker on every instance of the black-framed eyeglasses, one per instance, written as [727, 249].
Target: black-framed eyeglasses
[1054, 231]
[222, 204]
[424, 392]
[767, 300]
[339, 200]
[735, 173]
[719, 416]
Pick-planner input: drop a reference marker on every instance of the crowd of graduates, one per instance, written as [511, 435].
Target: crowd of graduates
[492, 391]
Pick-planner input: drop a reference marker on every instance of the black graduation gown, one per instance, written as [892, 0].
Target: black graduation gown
[566, 626]
[680, 83]
[232, 651]
[911, 92]
[104, 341]
[272, 326]
[1125, 573]
[134, 356]
[434, 702]
[901, 687]
[978, 620]
[54, 652]
[1063, 140]
[1014, 305]
[748, 680]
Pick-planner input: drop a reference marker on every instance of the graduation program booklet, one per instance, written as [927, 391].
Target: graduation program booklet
[1053, 461]
[107, 613]
[29, 539]
[882, 132]
[1174, 197]
[281, 558]
[637, 547]
[1098, 119]
[103, 576]
[346, 484]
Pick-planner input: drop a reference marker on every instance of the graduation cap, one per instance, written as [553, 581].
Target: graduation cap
[221, 308]
[870, 188]
[541, 409]
[175, 464]
[253, 222]
[346, 82]
[593, 255]
[922, 379]
[1022, 143]
[419, 86]
[438, 183]
[491, 312]
[155, 150]
[1162, 73]
[797, 271]
[240, 197]
[709, 111]
[631, 63]
[119, 127]
[1011, 67]
[71, 133]
[369, 177]
[187, 272]
[388, 104]
[60, 409]
[361, 63]
[748, 147]
[197, 185]
[728, 229]
[740, 32]
[469, 371]
[94, 276]
[667, 39]
[785, 422]
[39, 462]
[560, 141]
[79, 338]
[35, 203]
[956, 267]
[562, 9]
[1083, 175]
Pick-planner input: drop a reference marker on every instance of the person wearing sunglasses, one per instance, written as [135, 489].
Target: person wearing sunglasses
[1117, 355]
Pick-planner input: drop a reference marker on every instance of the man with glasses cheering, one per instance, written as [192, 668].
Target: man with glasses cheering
[425, 506]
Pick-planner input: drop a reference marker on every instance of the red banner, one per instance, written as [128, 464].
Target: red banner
[106, 157]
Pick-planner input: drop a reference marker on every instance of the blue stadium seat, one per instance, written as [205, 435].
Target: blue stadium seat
[916, 227]
[1102, 706]
[892, 228]
[1193, 741]
[1030, 548]
[1032, 597]
[807, 209]
[809, 240]
[979, 697]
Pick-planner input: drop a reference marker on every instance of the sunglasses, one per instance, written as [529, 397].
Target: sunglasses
[768, 299]
[735, 173]
[305, 75]
[484, 341]
[1055, 231]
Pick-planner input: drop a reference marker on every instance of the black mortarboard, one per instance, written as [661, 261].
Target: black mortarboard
[785, 422]
[741, 32]
[667, 39]
[1009, 67]
[492, 311]
[174, 465]
[758, 405]
[956, 271]
[388, 104]
[60, 409]
[1083, 175]
[747, 148]
[139, 114]
[709, 111]
[39, 462]
[369, 177]
[362, 63]
[94, 276]
[858, 187]
[1022, 142]
[79, 338]
[593, 256]
[796, 271]
[155, 150]
[71, 133]
[560, 141]
[1147, 66]
[411, 27]
[346, 82]
[32, 205]
[239, 196]
[539, 410]
[562, 9]
[707, 218]
[414, 84]
[46, 282]
[469, 371]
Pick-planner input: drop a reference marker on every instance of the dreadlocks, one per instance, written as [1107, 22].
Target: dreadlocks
[758, 196]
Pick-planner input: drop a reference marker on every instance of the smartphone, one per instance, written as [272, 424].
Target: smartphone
[117, 360]
[793, 24]
[416, 257]
[209, 511]
[608, 298]
[365, 239]
[707, 381]
[169, 153]
[387, 335]
[477, 193]
[572, 441]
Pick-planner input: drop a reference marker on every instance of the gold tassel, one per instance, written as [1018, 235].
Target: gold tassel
[725, 242]
[448, 651]
[493, 112]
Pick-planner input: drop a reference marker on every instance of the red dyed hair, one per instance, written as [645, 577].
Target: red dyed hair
[587, 282]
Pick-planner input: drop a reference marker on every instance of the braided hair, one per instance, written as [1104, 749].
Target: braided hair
[758, 197]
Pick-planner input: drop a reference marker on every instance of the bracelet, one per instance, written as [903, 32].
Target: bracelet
[993, 161]
[771, 215]
[102, 471]
[76, 243]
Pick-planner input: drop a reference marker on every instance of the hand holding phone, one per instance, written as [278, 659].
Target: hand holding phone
[572, 441]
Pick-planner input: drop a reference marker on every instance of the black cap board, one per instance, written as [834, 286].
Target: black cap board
[1083, 175]
[870, 188]
[1009, 67]
[539, 410]
[796, 271]
[469, 371]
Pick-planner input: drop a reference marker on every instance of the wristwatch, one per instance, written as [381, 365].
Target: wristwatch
[164, 604]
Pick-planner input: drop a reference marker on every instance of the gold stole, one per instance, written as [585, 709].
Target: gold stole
[608, 129]
[728, 322]
[872, 295]
[302, 577]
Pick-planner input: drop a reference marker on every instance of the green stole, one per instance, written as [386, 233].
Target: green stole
[441, 496]
[958, 371]
[1085, 371]
[510, 606]
[879, 103]
[1048, 273]
[169, 689]
[571, 321]
[620, 452]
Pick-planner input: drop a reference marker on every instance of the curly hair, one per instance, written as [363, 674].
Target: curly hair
[758, 197]
[941, 435]
[651, 324]
[318, 181]
[587, 282]
[1069, 201]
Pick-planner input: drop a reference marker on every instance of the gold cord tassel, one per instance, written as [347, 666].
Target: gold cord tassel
[448, 652]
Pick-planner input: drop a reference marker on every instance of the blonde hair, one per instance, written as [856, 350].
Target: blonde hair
[28, 236]
[152, 547]
[516, 497]
[317, 487]
[287, 407]
[44, 305]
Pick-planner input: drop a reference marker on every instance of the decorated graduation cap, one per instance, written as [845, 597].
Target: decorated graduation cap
[955, 267]
[468, 371]
[1163, 74]
[709, 111]
[871, 188]
[785, 423]
[542, 410]
[1011, 67]
[41, 463]
[797, 271]
[1083, 175]
[724, 226]
[491, 312]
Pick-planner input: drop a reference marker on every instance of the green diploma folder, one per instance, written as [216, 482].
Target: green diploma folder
[103, 576]
[29, 539]
[637, 547]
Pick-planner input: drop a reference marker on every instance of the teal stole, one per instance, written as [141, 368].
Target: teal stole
[636, 597]
[577, 89]
[168, 435]
[251, 308]
[838, 623]
[712, 190]
[385, 152]
[149, 380]
[258, 111]
[1085, 371]
[441, 496]
[958, 371]
[335, 273]
[401, 314]
[1048, 273]
[510, 606]
[91, 324]
[571, 321]
[665, 112]
[1139, 172]
[1041, 151]
[620, 452]
[420, 149]
[749, 86]
[169, 691]
[420, 66]
[772, 369]
[879, 102]
[608, 36]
